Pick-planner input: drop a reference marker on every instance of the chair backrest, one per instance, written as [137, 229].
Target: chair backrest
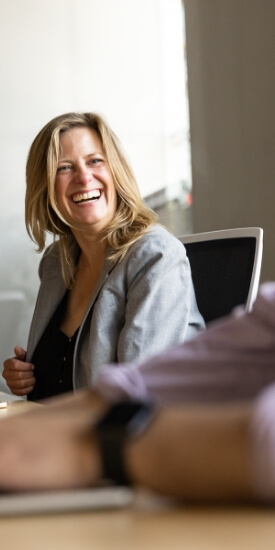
[226, 268]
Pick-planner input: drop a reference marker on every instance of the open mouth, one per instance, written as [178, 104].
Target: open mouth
[90, 196]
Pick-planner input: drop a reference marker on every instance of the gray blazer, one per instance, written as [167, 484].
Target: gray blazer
[139, 307]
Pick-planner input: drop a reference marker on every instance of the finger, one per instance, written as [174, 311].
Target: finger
[14, 376]
[20, 353]
[22, 392]
[21, 384]
[17, 365]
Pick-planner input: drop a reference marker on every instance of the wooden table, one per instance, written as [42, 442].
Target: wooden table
[148, 524]
[14, 405]
[143, 529]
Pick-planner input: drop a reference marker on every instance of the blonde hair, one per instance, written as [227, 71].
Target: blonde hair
[132, 218]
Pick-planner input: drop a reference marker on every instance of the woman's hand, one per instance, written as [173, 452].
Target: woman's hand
[19, 374]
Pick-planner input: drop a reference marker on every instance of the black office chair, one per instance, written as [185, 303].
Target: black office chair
[226, 268]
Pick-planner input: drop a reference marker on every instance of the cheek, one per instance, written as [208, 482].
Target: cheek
[57, 196]
[114, 200]
[112, 193]
[59, 192]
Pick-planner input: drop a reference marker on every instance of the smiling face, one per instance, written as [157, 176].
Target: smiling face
[84, 186]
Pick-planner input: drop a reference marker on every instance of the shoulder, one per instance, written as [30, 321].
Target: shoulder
[51, 254]
[50, 261]
[155, 253]
[159, 240]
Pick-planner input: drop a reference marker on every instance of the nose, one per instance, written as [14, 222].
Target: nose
[83, 175]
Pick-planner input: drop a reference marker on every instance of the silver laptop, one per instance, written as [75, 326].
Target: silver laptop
[98, 498]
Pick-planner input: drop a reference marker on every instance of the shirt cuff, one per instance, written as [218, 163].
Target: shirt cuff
[121, 383]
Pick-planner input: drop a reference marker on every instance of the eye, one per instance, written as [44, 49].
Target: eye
[96, 161]
[64, 168]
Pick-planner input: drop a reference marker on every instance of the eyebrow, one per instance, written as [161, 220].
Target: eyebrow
[86, 156]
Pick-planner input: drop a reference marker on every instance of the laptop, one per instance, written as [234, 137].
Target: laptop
[78, 500]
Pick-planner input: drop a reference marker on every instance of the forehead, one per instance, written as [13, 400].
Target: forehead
[79, 139]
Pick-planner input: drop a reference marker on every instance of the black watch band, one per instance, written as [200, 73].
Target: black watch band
[121, 422]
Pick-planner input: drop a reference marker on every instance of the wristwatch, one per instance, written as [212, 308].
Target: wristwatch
[123, 421]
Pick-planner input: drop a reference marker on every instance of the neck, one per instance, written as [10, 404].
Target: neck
[93, 251]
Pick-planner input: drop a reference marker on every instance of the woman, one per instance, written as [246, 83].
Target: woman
[115, 285]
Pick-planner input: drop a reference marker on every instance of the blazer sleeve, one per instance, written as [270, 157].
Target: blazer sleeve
[161, 308]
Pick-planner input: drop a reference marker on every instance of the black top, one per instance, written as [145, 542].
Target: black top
[53, 359]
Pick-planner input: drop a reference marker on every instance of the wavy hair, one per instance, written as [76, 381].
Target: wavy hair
[132, 218]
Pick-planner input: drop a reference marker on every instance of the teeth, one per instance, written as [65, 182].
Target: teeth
[91, 195]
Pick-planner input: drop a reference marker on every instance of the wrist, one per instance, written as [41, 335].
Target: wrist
[123, 423]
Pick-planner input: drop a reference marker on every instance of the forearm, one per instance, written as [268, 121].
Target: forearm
[198, 454]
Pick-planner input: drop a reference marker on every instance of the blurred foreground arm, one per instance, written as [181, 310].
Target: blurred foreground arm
[199, 453]
[50, 447]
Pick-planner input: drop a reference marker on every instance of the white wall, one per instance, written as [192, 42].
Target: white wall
[63, 55]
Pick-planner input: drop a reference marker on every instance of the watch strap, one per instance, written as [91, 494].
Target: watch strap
[121, 422]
